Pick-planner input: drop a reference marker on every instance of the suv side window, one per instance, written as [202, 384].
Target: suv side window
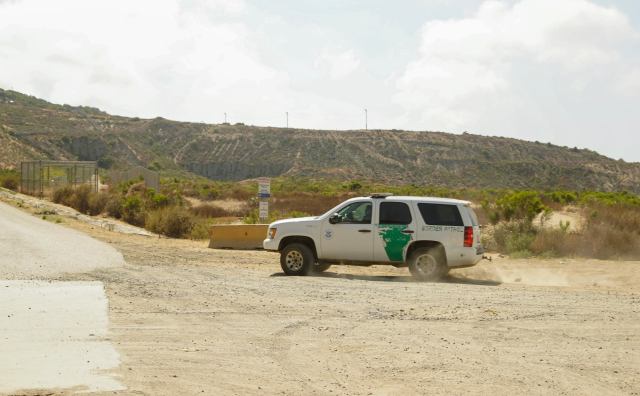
[394, 213]
[356, 213]
[440, 214]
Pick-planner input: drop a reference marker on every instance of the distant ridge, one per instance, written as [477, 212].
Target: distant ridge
[31, 128]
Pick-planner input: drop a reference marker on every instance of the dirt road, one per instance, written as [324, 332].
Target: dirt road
[31, 248]
[52, 333]
[190, 320]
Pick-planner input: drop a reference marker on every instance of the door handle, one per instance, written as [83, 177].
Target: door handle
[364, 230]
[407, 231]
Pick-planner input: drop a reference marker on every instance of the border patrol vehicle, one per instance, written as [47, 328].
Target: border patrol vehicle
[428, 235]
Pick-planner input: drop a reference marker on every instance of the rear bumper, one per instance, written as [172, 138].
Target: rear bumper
[466, 257]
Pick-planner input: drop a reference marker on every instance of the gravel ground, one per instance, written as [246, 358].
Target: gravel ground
[190, 320]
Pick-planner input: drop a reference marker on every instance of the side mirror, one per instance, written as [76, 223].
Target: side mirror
[334, 219]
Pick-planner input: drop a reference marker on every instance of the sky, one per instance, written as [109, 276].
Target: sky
[565, 72]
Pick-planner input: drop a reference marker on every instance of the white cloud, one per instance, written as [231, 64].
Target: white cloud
[500, 69]
[179, 59]
[338, 63]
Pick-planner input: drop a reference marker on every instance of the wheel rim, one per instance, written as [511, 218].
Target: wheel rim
[294, 260]
[426, 264]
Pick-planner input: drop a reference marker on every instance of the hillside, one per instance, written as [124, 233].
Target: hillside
[32, 128]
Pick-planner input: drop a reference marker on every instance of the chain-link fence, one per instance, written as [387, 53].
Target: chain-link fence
[151, 178]
[43, 177]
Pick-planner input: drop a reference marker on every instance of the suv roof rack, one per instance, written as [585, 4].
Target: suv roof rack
[380, 195]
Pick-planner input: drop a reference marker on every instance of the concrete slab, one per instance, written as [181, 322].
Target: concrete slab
[52, 336]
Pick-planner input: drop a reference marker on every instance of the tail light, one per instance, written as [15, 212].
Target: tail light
[468, 236]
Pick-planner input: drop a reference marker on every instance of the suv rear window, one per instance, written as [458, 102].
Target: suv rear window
[440, 214]
[394, 213]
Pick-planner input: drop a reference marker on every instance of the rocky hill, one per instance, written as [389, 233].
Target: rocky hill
[32, 128]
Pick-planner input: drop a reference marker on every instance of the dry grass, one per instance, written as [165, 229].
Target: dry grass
[174, 221]
[213, 211]
[611, 231]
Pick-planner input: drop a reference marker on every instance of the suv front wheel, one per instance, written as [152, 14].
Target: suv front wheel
[297, 259]
[427, 264]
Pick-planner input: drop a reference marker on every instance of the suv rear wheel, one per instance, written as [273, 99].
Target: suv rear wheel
[427, 264]
[296, 259]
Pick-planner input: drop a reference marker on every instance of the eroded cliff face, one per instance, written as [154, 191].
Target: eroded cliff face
[228, 170]
[34, 129]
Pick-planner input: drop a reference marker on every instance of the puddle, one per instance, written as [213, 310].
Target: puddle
[52, 336]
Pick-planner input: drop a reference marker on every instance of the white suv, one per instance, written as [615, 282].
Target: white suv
[429, 235]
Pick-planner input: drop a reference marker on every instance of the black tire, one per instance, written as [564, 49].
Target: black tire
[428, 264]
[321, 267]
[297, 259]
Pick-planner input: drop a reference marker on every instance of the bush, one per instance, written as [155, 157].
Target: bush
[80, 198]
[173, 221]
[63, 195]
[158, 201]
[11, 182]
[97, 203]
[132, 211]
[200, 230]
[515, 236]
[521, 205]
[114, 207]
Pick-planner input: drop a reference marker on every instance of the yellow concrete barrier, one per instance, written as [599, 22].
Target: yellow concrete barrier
[237, 236]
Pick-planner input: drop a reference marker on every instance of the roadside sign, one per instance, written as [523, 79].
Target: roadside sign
[264, 192]
[264, 187]
[264, 210]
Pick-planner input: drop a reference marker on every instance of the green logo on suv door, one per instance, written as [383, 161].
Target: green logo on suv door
[394, 240]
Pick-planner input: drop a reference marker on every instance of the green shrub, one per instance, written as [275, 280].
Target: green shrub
[609, 198]
[173, 221]
[562, 197]
[521, 205]
[200, 229]
[514, 236]
[159, 201]
[132, 211]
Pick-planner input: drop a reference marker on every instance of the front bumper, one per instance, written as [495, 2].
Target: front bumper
[270, 244]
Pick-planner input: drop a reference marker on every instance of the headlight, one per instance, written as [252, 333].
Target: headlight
[272, 233]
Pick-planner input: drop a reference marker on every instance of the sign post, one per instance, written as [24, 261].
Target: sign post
[264, 193]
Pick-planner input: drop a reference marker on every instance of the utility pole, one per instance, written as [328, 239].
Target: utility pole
[366, 119]
[225, 117]
[287, 114]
